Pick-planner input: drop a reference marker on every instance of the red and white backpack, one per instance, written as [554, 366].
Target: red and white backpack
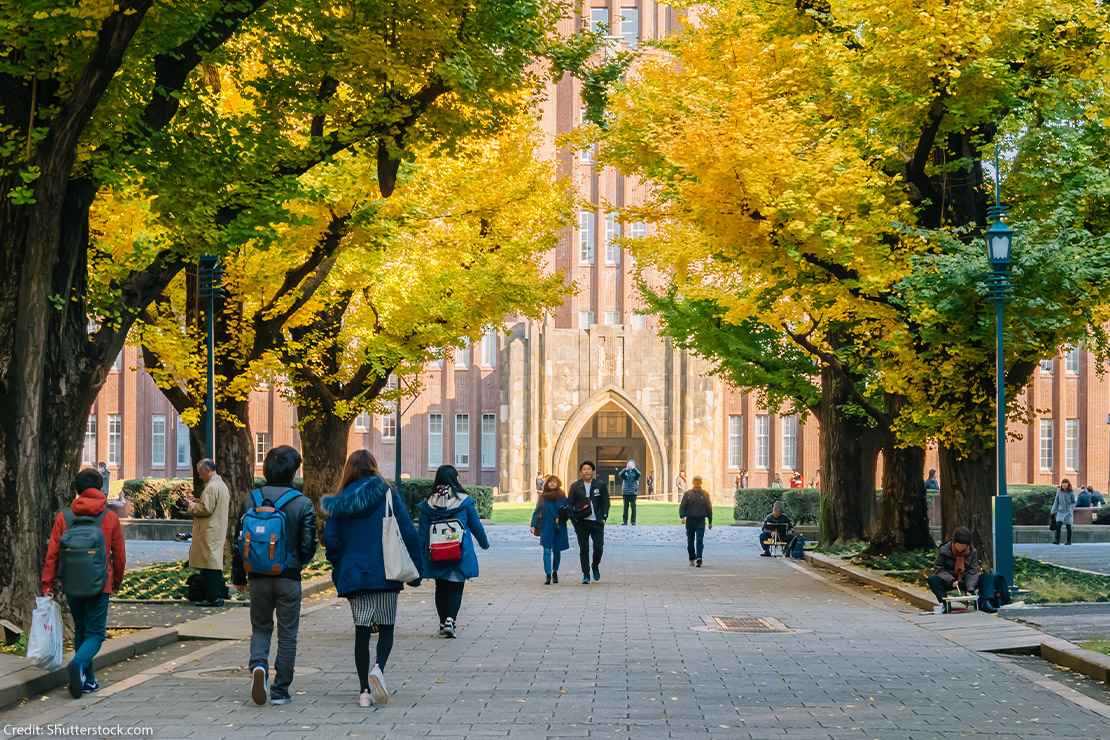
[445, 541]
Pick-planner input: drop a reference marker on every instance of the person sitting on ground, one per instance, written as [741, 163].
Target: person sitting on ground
[775, 523]
[931, 483]
[957, 567]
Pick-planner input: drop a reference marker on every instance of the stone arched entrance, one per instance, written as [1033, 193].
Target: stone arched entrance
[611, 398]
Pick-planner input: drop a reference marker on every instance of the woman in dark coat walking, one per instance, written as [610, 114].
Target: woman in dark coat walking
[549, 523]
[353, 541]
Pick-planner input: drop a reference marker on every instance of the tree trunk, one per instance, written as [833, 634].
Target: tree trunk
[903, 517]
[848, 453]
[234, 456]
[324, 443]
[966, 487]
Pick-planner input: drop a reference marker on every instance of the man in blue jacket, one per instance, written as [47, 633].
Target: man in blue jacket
[630, 487]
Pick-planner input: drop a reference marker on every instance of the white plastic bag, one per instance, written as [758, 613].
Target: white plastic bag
[44, 644]
[395, 556]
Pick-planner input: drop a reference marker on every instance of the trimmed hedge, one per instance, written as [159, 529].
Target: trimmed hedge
[800, 504]
[415, 490]
[158, 498]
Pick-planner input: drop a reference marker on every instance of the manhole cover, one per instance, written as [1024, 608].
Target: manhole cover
[744, 624]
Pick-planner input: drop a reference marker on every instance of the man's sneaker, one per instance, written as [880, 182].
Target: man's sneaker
[692, 563]
[547, 580]
[364, 699]
[699, 562]
[90, 687]
[277, 701]
[554, 576]
[449, 628]
[585, 580]
[378, 692]
[76, 679]
[764, 554]
[260, 685]
[597, 574]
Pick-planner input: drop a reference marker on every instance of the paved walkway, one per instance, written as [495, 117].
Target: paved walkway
[1087, 556]
[624, 658]
[148, 552]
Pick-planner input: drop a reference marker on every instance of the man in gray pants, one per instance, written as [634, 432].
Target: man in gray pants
[278, 594]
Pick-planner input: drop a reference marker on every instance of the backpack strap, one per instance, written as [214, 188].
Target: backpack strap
[256, 497]
[69, 517]
[286, 497]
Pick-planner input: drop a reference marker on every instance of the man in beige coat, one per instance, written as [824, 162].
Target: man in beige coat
[210, 512]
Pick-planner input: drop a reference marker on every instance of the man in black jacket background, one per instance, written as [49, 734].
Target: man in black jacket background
[280, 594]
[589, 508]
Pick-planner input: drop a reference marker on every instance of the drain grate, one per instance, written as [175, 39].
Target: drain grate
[745, 624]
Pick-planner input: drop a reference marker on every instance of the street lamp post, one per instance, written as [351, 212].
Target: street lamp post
[209, 284]
[999, 241]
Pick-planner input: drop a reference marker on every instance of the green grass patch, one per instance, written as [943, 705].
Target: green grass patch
[167, 580]
[1099, 646]
[647, 512]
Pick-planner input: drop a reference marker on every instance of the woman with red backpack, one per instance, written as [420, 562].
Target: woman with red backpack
[449, 526]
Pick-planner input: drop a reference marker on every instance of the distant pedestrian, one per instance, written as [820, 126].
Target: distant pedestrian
[931, 483]
[630, 488]
[105, 478]
[680, 483]
[449, 527]
[649, 484]
[817, 479]
[696, 511]
[796, 481]
[589, 508]
[1063, 510]
[539, 483]
[353, 544]
[776, 483]
[742, 479]
[86, 553]
[276, 539]
[206, 549]
[549, 523]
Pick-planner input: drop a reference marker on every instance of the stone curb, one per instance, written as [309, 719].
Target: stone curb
[1053, 649]
[31, 681]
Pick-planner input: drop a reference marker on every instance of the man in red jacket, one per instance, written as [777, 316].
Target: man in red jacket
[90, 613]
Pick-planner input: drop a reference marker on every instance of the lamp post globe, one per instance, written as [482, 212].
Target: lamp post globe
[1000, 238]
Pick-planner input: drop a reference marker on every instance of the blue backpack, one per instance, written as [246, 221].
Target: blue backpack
[264, 536]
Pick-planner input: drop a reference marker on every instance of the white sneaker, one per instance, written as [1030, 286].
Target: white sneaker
[448, 628]
[378, 691]
[938, 609]
[364, 699]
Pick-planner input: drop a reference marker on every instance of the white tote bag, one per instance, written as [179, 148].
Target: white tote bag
[395, 556]
[44, 644]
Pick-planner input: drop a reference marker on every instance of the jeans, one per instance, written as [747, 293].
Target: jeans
[941, 587]
[551, 559]
[695, 536]
[629, 502]
[90, 626]
[213, 582]
[448, 598]
[586, 531]
[283, 596]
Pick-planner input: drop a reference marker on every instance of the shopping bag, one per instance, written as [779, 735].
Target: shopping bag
[395, 556]
[44, 645]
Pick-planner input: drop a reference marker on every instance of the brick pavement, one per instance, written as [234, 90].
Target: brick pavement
[620, 659]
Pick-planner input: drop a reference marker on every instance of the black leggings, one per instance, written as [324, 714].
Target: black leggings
[362, 651]
[448, 598]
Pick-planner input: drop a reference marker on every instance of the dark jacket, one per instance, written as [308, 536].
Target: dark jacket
[550, 518]
[946, 567]
[695, 504]
[598, 496]
[91, 502]
[442, 506]
[782, 523]
[630, 481]
[353, 536]
[300, 519]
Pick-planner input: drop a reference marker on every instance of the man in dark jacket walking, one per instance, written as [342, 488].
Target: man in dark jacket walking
[280, 594]
[589, 507]
[696, 510]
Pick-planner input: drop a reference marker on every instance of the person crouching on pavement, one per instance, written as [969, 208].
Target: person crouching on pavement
[957, 567]
[775, 523]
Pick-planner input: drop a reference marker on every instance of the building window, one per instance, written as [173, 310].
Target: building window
[790, 442]
[1071, 444]
[182, 440]
[489, 441]
[435, 440]
[389, 426]
[612, 318]
[1071, 360]
[362, 422]
[587, 237]
[115, 438]
[261, 447]
[158, 441]
[436, 363]
[88, 449]
[630, 27]
[735, 441]
[462, 441]
[612, 233]
[489, 348]
[637, 230]
[639, 320]
[585, 319]
[462, 356]
[1046, 366]
[762, 441]
[589, 154]
[117, 364]
[599, 20]
[1046, 444]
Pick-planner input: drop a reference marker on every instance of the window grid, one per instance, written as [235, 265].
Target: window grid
[612, 318]
[261, 447]
[639, 320]
[1046, 366]
[115, 438]
[88, 449]
[489, 441]
[462, 356]
[790, 442]
[1071, 444]
[637, 230]
[389, 426]
[362, 422]
[612, 233]
[158, 441]
[587, 236]
[1046, 444]
[435, 440]
[462, 441]
[599, 20]
[630, 27]
[182, 440]
[1071, 360]
[735, 440]
[762, 441]
[585, 319]
[489, 347]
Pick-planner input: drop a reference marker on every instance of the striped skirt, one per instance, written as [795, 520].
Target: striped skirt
[369, 608]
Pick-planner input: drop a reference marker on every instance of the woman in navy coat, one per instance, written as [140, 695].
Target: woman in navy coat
[549, 523]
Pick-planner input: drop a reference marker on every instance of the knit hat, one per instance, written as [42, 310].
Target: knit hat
[962, 535]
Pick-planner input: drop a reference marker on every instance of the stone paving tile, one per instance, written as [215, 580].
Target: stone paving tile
[620, 659]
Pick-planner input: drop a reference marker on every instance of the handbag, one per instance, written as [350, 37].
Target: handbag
[1053, 525]
[44, 644]
[445, 541]
[395, 556]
